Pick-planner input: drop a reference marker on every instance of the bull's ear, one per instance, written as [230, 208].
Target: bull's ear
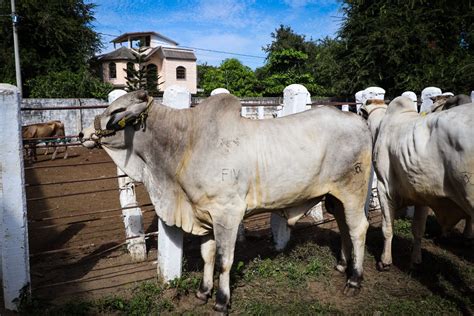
[118, 121]
[363, 112]
[142, 95]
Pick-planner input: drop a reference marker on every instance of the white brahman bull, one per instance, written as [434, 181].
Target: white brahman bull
[422, 161]
[206, 168]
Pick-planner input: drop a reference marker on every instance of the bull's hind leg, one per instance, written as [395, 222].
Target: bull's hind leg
[388, 211]
[208, 253]
[357, 225]
[335, 207]
[418, 230]
[225, 232]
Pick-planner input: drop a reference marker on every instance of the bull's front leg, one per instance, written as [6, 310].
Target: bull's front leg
[388, 211]
[225, 233]
[208, 253]
[418, 230]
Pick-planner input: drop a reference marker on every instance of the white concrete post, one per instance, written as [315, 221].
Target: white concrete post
[345, 107]
[170, 238]
[472, 96]
[132, 217]
[412, 96]
[14, 225]
[295, 99]
[372, 93]
[358, 99]
[243, 111]
[260, 112]
[426, 96]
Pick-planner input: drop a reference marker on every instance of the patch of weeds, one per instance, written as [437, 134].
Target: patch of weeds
[294, 268]
[185, 284]
[34, 306]
[112, 304]
[293, 308]
[433, 305]
[146, 299]
[402, 228]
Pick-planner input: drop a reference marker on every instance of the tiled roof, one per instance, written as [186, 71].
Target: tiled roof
[123, 37]
[123, 53]
[178, 54]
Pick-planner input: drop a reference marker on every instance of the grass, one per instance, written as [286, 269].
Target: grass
[295, 268]
[292, 283]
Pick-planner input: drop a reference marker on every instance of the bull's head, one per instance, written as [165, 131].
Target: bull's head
[128, 111]
[370, 106]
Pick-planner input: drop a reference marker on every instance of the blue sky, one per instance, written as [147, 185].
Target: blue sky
[237, 26]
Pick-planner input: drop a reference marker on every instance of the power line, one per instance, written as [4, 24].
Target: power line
[204, 49]
[222, 52]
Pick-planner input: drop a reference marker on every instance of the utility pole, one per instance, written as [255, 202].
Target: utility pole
[17, 50]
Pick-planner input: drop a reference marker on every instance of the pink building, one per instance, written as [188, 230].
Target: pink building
[174, 65]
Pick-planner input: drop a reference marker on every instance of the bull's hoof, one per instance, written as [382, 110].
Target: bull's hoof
[352, 288]
[220, 309]
[202, 297]
[382, 267]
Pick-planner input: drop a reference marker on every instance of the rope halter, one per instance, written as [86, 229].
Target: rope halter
[139, 121]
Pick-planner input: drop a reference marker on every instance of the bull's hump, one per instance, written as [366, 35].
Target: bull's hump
[222, 103]
[400, 104]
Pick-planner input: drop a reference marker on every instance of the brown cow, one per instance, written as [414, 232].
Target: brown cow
[42, 130]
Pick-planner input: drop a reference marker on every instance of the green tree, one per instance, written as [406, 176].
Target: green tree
[142, 76]
[289, 61]
[54, 36]
[240, 80]
[67, 84]
[407, 45]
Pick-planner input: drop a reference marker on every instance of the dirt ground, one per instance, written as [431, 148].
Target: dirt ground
[75, 255]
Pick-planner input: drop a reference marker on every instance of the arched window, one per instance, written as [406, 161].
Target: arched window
[152, 77]
[112, 70]
[130, 68]
[180, 72]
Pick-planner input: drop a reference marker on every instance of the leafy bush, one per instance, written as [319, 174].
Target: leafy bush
[68, 84]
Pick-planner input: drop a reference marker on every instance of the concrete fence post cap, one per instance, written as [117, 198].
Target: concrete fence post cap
[115, 94]
[374, 93]
[219, 91]
[410, 95]
[449, 94]
[430, 92]
[294, 89]
[359, 96]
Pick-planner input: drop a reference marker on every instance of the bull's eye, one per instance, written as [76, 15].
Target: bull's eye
[117, 111]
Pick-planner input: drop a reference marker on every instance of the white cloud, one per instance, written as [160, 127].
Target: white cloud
[296, 4]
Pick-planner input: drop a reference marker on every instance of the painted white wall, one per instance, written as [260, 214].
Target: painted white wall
[14, 224]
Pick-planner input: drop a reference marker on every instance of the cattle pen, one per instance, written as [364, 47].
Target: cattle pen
[78, 245]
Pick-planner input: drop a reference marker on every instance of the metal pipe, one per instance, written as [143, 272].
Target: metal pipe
[65, 108]
[70, 165]
[16, 48]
